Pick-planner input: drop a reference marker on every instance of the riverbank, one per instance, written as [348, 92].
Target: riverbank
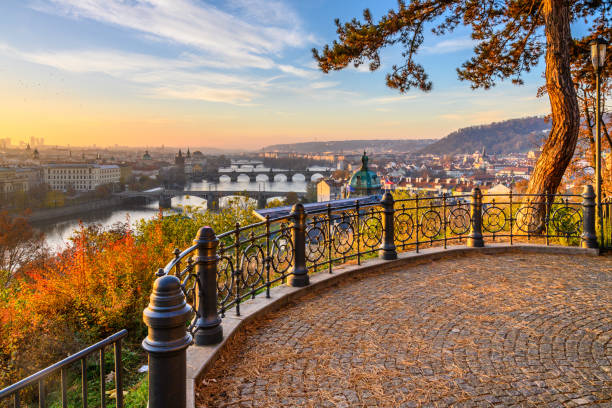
[52, 214]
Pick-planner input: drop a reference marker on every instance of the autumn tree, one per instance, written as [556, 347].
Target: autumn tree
[511, 36]
[20, 244]
[292, 198]
[582, 167]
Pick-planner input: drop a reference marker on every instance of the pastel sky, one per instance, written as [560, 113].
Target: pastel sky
[221, 73]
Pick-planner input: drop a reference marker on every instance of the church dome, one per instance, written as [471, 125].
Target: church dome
[364, 182]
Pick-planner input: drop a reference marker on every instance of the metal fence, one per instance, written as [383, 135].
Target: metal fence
[219, 272]
[42, 378]
[247, 261]
[606, 234]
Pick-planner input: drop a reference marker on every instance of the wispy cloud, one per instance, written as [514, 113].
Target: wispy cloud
[215, 50]
[451, 45]
[389, 99]
[323, 84]
[233, 96]
[179, 78]
[303, 73]
[215, 33]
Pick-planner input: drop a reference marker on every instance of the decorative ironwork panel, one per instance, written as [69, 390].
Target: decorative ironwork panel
[431, 224]
[494, 219]
[371, 229]
[459, 220]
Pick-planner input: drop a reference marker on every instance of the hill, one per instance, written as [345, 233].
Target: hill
[348, 146]
[509, 136]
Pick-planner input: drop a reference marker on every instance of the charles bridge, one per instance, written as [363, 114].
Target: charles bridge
[498, 300]
[264, 174]
[212, 197]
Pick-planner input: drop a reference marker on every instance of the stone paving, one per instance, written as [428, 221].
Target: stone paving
[503, 330]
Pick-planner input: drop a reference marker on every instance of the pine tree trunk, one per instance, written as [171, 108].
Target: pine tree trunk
[559, 148]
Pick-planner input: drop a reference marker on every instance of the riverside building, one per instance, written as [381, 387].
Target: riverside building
[80, 177]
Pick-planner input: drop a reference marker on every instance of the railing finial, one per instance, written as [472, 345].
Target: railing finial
[167, 341]
[208, 329]
[387, 249]
[589, 236]
[299, 274]
[475, 236]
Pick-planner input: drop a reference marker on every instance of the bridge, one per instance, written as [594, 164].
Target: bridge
[265, 174]
[212, 197]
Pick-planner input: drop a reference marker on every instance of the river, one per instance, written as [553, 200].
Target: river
[57, 233]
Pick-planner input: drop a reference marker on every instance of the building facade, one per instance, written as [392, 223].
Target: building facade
[80, 177]
[14, 179]
[329, 189]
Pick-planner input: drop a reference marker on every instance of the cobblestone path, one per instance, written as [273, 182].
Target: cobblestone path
[504, 330]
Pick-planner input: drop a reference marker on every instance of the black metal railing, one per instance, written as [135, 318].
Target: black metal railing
[219, 272]
[253, 258]
[41, 378]
[606, 234]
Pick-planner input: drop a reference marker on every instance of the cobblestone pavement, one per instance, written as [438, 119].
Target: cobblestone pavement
[503, 330]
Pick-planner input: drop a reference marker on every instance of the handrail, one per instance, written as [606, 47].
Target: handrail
[240, 264]
[115, 338]
[253, 257]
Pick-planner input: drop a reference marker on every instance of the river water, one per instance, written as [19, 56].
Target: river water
[57, 233]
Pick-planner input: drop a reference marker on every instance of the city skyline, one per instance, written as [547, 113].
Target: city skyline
[236, 74]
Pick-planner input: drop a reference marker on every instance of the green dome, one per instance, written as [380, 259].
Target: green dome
[364, 182]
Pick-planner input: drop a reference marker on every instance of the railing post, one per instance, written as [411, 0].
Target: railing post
[167, 341]
[475, 237]
[208, 326]
[387, 248]
[589, 237]
[299, 273]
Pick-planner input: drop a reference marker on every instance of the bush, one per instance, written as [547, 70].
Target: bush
[96, 287]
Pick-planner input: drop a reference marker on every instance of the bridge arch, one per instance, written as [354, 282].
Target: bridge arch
[316, 177]
[262, 177]
[298, 177]
[225, 178]
[242, 177]
[280, 177]
[232, 200]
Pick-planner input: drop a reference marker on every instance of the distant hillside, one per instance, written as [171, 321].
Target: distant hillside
[346, 146]
[509, 136]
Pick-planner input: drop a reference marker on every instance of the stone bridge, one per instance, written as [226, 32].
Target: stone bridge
[259, 174]
[212, 197]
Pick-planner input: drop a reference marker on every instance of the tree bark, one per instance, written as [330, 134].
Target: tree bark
[559, 148]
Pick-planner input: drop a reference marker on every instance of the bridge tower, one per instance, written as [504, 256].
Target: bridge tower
[261, 201]
[165, 201]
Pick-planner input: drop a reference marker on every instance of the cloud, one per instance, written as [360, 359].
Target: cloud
[303, 73]
[448, 46]
[179, 78]
[233, 96]
[264, 11]
[323, 84]
[225, 55]
[232, 40]
[389, 99]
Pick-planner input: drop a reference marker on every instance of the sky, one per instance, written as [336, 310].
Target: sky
[233, 74]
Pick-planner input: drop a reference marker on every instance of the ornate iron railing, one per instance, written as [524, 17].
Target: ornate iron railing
[218, 273]
[607, 223]
[40, 378]
[247, 261]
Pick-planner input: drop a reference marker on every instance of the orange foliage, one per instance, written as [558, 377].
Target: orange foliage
[98, 286]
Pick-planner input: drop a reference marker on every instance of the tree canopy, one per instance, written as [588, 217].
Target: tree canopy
[508, 35]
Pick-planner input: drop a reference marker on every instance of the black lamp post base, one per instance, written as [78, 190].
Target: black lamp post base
[206, 337]
[298, 281]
